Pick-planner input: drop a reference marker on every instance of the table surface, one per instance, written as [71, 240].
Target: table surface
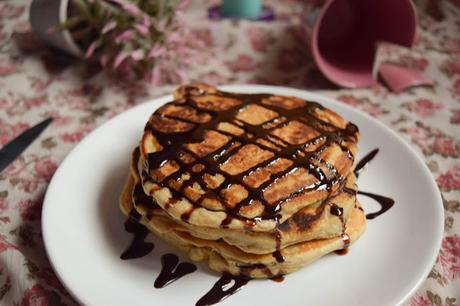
[40, 83]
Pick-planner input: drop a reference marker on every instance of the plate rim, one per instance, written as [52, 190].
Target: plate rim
[251, 89]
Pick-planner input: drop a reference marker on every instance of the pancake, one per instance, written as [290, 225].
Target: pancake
[243, 161]
[317, 221]
[222, 257]
[254, 184]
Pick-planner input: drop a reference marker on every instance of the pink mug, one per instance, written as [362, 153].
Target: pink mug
[345, 34]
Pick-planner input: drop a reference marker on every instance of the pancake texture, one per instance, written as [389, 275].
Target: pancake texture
[255, 184]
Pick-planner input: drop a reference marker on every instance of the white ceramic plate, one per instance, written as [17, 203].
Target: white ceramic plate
[84, 235]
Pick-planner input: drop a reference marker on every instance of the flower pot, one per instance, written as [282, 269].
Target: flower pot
[44, 15]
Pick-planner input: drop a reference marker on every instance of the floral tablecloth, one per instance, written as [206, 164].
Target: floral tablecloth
[35, 84]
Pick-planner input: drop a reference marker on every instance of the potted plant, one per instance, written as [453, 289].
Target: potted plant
[117, 33]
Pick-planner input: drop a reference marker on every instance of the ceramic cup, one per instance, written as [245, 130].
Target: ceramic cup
[345, 34]
[44, 15]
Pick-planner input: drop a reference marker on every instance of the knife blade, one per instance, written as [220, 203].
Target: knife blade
[16, 146]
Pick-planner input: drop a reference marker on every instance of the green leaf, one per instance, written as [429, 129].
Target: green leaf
[14, 181]
[70, 23]
[48, 143]
[99, 111]
[450, 301]
[84, 8]
[437, 300]
[430, 295]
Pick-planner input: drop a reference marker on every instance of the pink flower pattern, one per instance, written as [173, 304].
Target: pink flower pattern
[7, 68]
[3, 205]
[452, 67]
[450, 180]
[243, 63]
[45, 168]
[8, 132]
[424, 107]
[36, 83]
[449, 256]
[414, 63]
[8, 11]
[433, 141]
[420, 300]
[4, 244]
[75, 136]
[258, 38]
[445, 146]
[373, 109]
[35, 296]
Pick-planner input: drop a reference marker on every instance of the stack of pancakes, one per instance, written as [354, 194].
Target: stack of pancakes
[256, 184]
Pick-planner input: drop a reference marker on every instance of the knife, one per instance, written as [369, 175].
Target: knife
[16, 146]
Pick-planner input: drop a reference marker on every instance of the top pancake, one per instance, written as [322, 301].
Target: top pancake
[243, 161]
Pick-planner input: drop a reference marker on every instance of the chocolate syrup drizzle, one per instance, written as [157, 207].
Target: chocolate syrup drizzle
[171, 271]
[277, 254]
[338, 211]
[385, 202]
[363, 162]
[138, 247]
[174, 146]
[220, 290]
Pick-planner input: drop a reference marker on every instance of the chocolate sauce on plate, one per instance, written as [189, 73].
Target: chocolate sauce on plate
[172, 271]
[385, 203]
[223, 288]
[361, 165]
[138, 247]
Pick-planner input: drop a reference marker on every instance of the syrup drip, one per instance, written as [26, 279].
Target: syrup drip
[277, 278]
[278, 256]
[138, 247]
[171, 271]
[361, 165]
[385, 203]
[223, 288]
[338, 211]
